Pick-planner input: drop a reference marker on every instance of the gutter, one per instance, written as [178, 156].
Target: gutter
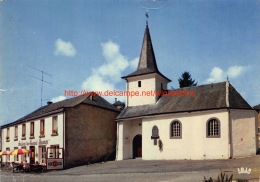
[169, 113]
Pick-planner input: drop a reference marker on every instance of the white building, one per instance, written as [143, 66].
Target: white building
[78, 130]
[202, 122]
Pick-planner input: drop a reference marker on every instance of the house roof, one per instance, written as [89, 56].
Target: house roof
[257, 107]
[53, 108]
[206, 97]
[119, 103]
[147, 62]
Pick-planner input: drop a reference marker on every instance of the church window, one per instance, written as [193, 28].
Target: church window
[155, 134]
[176, 130]
[213, 128]
[139, 84]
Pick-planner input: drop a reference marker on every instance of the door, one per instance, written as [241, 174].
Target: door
[32, 154]
[137, 146]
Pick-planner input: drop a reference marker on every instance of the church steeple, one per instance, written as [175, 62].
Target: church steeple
[147, 79]
[147, 59]
[147, 62]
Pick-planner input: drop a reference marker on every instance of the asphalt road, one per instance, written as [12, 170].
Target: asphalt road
[152, 171]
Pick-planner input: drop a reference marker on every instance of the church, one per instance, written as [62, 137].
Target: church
[214, 122]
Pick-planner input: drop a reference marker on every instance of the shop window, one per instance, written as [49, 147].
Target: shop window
[8, 156]
[16, 158]
[23, 156]
[42, 154]
[54, 152]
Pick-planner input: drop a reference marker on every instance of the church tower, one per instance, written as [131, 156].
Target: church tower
[147, 79]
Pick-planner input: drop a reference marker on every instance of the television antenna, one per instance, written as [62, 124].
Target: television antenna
[41, 79]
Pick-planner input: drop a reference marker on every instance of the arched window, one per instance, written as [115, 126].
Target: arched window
[213, 128]
[155, 134]
[176, 129]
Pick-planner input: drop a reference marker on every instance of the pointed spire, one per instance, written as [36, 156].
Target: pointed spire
[147, 62]
[147, 59]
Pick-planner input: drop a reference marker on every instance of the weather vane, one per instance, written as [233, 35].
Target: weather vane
[147, 8]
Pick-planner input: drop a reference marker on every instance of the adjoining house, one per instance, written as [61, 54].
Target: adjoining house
[210, 121]
[120, 105]
[84, 127]
[257, 108]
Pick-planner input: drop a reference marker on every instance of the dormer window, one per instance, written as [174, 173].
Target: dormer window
[139, 83]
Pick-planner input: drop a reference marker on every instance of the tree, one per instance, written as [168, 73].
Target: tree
[186, 80]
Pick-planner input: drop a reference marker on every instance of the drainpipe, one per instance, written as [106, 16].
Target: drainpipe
[230, 136]
[64, 138]
[229, 122]
[117, 139]
[127, 89]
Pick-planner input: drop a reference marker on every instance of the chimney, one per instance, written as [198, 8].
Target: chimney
[49, 102]
[115, 100]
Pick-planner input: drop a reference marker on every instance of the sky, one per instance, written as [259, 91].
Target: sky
[89, 45]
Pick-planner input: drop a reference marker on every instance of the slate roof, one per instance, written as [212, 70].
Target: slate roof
[207, 97]
[60, 106]
[147, 62]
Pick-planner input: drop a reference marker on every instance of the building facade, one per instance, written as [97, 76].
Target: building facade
[78, 130]
[257, 108]
[201, 122]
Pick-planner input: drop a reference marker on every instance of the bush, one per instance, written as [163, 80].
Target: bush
[221, 178]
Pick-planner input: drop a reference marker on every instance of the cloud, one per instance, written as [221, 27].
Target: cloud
[115, 62]
[106, 76]
[57, 99]
[97, 83]
[235, 71]
[2, 90]
[134, 63]
[217, 74]
[64, 48]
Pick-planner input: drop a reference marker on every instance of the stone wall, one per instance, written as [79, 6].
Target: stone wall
[90, 135]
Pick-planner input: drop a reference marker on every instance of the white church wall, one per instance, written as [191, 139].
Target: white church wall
[194, 144]
[244, 134]
[127, 130]
[120, 141]
[160, 80]
[147, 86]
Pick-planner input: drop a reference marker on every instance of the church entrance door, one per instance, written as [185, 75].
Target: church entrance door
[137, 146]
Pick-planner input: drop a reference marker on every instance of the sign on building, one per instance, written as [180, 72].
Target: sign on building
[55, 159]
